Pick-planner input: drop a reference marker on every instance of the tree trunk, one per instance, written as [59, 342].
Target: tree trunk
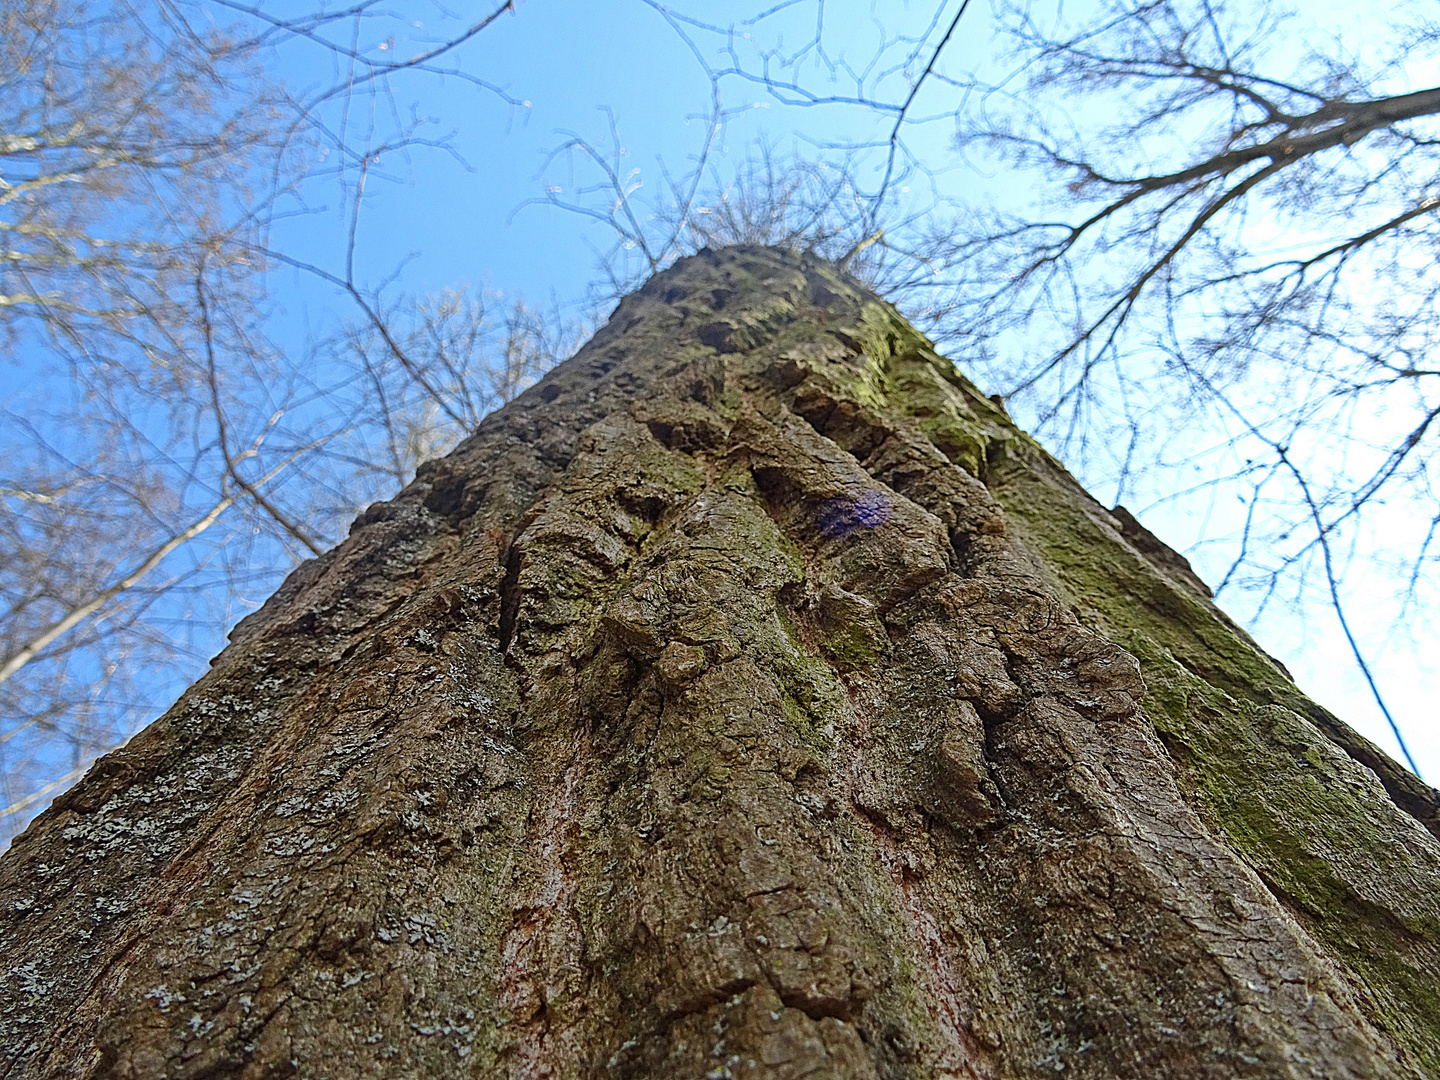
[748, 699]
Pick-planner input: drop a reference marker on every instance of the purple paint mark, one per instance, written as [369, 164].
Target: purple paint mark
[842, 515]
[872, 508]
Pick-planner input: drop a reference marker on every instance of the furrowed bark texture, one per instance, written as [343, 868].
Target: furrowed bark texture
[748, 699]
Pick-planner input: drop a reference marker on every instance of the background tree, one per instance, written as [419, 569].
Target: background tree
[126, 150]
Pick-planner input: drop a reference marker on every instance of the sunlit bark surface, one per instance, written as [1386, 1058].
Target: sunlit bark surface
[748, 699]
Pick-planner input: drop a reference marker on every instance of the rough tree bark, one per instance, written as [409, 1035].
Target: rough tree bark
[750, 698]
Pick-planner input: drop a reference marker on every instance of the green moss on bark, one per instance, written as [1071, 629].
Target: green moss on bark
[1318, 827]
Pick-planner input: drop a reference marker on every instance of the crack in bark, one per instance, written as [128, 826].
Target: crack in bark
[509, 598]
